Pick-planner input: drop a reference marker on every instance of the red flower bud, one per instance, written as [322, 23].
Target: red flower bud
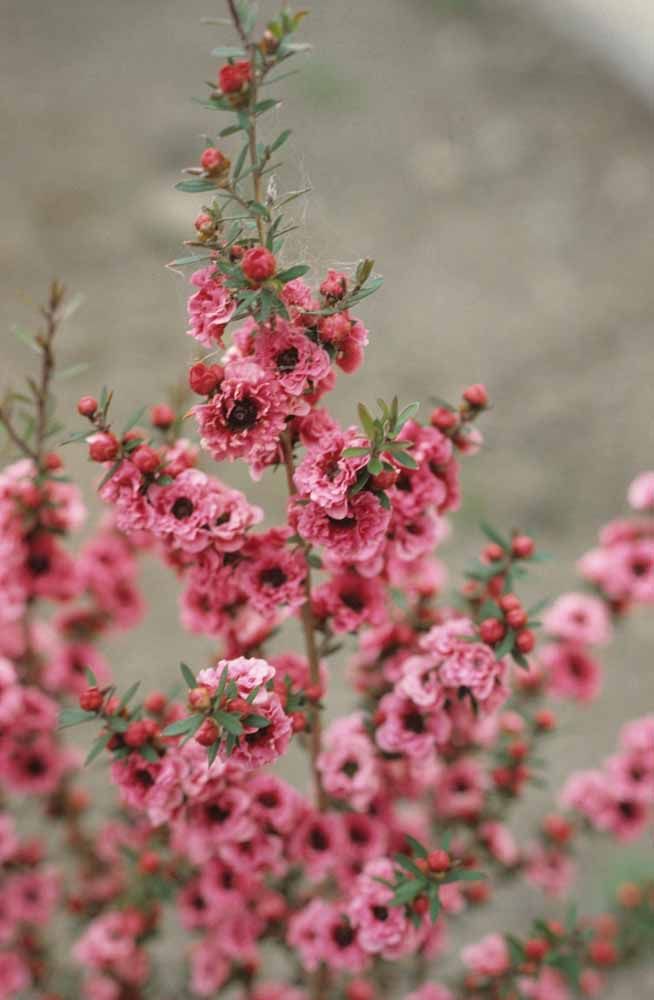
[149, 863]
[385, 479]
[420, 905]
[155, 702]
[87, 406]
[508, 602]
[199, 698]
[476, 396]
[334, 286]
[629, 895]
[439, 861]
[491, 631]
[516, 618]
[207, 734]
[444, 419]
[525, 640]
[145, 459]
[204, 379]
[602, 952]
[136, 734]
[557, 828]
[258, 265]
[493, 552]
[204, 224]
[299, 721]
[234, 76]
[162, 416]
[545, 720]
[103, 447]
[536, 949]
[53, 461]
[213, 161]
[91, 699]
[522, 546]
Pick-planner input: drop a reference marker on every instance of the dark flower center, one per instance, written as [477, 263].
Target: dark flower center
[414, 722]
[38, 564]
[287, 360]
[274, 576]
[182, 508]
[353, 601]
[343, 935]
[216, 814]
[318, 840]
[380, 913]
[243, 415]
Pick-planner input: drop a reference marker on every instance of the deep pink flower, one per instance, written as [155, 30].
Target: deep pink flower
[355, 537]
[579, 618]
[489, 957]
[325, 476]
[290, 357]
[210, 308]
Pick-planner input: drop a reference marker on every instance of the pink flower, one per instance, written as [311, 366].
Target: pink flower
[14, 975]
[549, 985]
[349, 601]
[272, 573]
[325, 476]
[246, 672]
[578, 618]
[10, 692]
[196, 511]
[641, 492]
[408, 729]
[316, 843]
[31, 896]
[382, 928]
[245, 417]
[501, 843]
[290, 357]
[571, 671]
[348, 763]
[209, 968]
[260, 745]
[550, 869]
[461, 789]
[489, 957]
[355, 537]
[210, 308]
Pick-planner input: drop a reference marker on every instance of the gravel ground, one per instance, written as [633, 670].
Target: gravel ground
[502, 180]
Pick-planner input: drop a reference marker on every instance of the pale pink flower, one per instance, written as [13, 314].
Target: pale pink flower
[489, 957]
[641, 492]
[578, 618]
[210, 308]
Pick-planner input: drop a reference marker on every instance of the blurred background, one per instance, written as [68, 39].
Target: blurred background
[495, 158]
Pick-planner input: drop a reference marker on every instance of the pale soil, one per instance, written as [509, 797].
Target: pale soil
[502, 181]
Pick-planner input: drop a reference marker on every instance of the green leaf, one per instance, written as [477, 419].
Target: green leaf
[112, 470]
[230, 723]
[416, 846]
[72, 370]
[262, 106]
[149, 753]
[495, 536]
[293, 272]
[280, 140]
[238, 166]
[195, 258]
[464, 875]
[73, 717]
[434, 906]
[405, 862]
[228, 52]
[406, 414]
[406, 892]
[252, 695]
[354, 452]
[188, 675]
[364, 270]
[314, 560]
[367, 421]
[97, 748]
[91, 679]
[255, 721]
[506, 645]
[182, 726]
[212, 752]
[129, 694]
[375, 465]
[196, 185]
[405, 459]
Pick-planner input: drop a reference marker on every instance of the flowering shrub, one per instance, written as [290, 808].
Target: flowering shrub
[345, 889]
